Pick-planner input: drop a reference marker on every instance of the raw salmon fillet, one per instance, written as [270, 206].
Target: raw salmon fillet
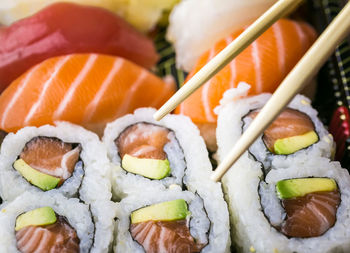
[86, 89]
[263, 65]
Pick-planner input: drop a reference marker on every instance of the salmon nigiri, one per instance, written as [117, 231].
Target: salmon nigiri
[86, 89]
[263, 65]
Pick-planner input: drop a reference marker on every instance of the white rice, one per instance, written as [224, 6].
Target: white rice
[76, 213]
[104, 213]
[95, 169]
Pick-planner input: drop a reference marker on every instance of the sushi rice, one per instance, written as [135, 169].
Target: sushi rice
[94, 171]
[77, 214]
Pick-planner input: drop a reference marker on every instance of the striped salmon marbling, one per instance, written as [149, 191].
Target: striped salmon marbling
[263, 65]
[86, 89]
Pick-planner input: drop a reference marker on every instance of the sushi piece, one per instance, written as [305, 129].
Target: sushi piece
[157, 154]
[220, 18]
[151, 157]
[85, 89]
[307, 205]
[296, 134]
[64, 158]
[45, 223]
[299, 208]
[66, 28]
[263, 64]
[169, 221]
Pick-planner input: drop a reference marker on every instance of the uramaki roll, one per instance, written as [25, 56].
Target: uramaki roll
[156, 154]
[64, 158]
[45, 222]
[296, 134]
[170, 221]
[306, 207]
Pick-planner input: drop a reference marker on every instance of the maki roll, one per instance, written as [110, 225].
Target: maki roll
[307, 207]
[148, 144]
[169, 221]
[155, 154]
[301, 208]
[296, 134]
[45, 223]
[54, 158]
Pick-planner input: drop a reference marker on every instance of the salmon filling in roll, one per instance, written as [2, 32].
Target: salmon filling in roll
[41, 230]
[47, 159]
[311, 215]
[164, 227]
[143, 140]
[290, 132]
[308, 206]
[142, 149]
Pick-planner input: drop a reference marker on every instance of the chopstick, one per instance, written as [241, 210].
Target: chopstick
[227, 54]
[291, 85]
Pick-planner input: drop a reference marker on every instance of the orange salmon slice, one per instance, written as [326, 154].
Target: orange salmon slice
[263, 65]
[86, 89]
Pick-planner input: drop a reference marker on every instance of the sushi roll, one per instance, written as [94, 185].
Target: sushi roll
[45, 223]
[306, 208]
[172, 145]
[155, 154]
[296, 134]
[64, 158]
[169, 221]
[301, 208]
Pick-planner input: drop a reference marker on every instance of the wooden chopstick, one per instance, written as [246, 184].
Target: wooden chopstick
[227, 54]
[291, 85]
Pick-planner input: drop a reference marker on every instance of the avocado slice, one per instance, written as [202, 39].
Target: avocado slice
[150, 168]
[37, 217]
[292, 144]
[165, 211]
[41, 180]
[299, 187]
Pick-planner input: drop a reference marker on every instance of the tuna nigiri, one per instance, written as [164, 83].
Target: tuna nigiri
[86, 89]
[66, 28]
[263, 64]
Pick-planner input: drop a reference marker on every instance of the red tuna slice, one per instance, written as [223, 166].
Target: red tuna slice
[66, 28]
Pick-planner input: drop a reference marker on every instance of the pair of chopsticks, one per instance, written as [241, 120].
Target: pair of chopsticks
[291, 85]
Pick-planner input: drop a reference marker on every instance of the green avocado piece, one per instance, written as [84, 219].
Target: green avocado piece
[292, 188]
[41, 180]
[292, 144]
[150, 168]
[37, 217]
[165, 211]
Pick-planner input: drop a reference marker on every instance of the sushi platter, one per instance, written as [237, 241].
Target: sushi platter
[85, 166]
